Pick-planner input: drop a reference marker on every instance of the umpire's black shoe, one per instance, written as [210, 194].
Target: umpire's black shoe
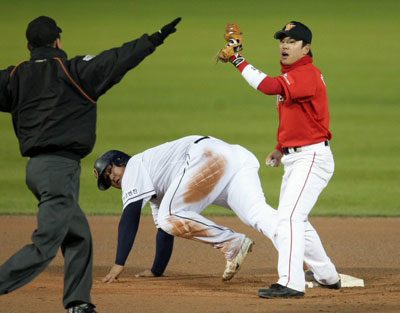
[82, 308]
[279, 291]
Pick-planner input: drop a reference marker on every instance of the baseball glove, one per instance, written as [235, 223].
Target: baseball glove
[232, 48]
[233, 37]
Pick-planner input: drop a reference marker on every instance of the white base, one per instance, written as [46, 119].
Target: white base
[346, 280]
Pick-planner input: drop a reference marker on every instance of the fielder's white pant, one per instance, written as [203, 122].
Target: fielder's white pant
[216, 173]
[306, 174]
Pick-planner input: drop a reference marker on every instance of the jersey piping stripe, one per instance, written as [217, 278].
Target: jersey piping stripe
[142, 194]
[291, 215]
[172, 198]
[15, 67]
[76, 85]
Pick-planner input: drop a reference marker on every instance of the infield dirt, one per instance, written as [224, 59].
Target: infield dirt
[368, 248]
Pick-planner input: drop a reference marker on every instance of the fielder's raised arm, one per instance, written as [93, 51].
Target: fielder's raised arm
[232, 52]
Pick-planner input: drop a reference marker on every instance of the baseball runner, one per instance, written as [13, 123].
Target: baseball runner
[303, 147]
[52, 100]
[179, 179]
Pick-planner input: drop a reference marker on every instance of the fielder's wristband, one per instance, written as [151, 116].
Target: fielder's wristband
[236, 61]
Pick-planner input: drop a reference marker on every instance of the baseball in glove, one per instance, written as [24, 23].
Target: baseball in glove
[233, 37]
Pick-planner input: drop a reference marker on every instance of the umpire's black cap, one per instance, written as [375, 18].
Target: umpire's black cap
[42, 31]
[295, 30]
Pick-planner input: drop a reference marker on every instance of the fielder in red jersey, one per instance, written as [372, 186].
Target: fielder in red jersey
[303, 147]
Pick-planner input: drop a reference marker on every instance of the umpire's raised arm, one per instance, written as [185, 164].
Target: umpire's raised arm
[99, 73]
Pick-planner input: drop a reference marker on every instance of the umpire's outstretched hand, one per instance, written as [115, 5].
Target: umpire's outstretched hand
[158, 37]
[169, 28]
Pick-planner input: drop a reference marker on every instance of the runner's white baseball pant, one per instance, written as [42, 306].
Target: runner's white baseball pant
[216, 173]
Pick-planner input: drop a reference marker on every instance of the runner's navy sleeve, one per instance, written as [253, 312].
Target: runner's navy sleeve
[127, 229]
[164, 247]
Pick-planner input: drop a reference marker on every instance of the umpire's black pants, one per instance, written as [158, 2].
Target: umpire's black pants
[61, 223]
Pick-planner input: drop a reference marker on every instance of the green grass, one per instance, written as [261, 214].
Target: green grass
[179, 90]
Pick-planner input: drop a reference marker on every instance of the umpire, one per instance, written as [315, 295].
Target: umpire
[52, 100]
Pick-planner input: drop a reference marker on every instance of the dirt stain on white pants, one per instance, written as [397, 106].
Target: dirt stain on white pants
[196, 231]
[187, 228]
[208, 176]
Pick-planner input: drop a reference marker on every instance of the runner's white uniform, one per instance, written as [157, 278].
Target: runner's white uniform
[182, 177]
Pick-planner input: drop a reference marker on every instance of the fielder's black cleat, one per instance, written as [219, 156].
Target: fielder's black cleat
[337, 285]
[279, 291]
[82, 308]
[310, 277]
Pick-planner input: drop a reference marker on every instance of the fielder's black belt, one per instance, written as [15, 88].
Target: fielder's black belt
[202, 138]
[287, 150]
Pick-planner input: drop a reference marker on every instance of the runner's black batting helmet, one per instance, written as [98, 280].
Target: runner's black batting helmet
[114, 157]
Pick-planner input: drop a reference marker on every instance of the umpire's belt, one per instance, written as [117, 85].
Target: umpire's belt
[287, 151]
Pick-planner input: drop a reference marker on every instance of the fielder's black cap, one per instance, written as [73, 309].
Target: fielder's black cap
[295, 30]
[42, 31]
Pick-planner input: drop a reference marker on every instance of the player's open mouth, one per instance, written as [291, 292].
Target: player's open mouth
[284, 54]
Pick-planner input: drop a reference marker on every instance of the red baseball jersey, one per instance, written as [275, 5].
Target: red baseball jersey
[303, 108]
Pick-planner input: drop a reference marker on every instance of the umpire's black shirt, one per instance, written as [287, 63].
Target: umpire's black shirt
[53, 100]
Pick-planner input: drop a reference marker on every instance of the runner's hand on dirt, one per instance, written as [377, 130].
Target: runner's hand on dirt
[114, 273]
